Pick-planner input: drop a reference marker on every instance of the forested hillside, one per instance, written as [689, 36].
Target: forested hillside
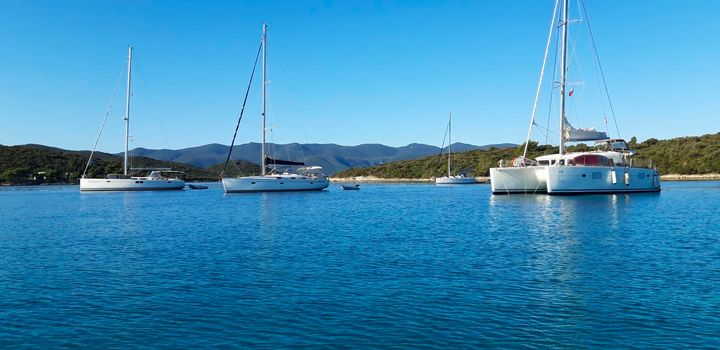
[35, 164]
[683, 155]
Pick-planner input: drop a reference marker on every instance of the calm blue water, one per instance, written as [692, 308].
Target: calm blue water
[389, 266]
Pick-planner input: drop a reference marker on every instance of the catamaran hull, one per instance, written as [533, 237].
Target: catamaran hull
[530, 179]
[453, 180]
[130, 185]
[569, 180]
[273, 184]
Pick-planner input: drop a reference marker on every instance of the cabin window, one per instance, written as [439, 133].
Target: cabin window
[583, 175]
[252, 183]
[292, 178]
[544, 162]
[282, 183]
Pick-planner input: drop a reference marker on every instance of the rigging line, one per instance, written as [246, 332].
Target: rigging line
[542, 72]
[293, 99]
[447, 130]
[107, 113]
[597, 59]
[552, 95]
[139, 74]
[242, 110]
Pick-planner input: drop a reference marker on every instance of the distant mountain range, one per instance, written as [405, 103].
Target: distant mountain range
[333, 158]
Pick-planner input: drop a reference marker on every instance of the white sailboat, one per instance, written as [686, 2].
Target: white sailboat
[305, 179]
[607, 169]
[156, 178]
[450, 179]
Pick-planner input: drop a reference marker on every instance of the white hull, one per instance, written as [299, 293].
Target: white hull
[130, 184]
[559, 180]
[455, 180]
[531, 179]
[593, 179]
[274, 183]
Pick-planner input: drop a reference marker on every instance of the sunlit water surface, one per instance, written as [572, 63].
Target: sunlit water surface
[389, 266]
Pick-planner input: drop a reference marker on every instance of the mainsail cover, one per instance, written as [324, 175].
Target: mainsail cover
[576, 134]
[272, 161]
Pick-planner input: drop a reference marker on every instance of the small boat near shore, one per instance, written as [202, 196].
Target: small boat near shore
[197, 187]
[459, 179]
[354, 187]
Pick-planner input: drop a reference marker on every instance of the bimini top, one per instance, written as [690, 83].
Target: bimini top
[618, 145]
[573, 134]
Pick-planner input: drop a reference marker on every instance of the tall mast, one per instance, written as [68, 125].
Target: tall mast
[449, 141]
[127, 110]
[264, 77]
[563, 64]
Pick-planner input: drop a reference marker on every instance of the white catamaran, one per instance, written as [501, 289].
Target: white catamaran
[156, 179]
[306, 179]
[459, 179]
[608, 169]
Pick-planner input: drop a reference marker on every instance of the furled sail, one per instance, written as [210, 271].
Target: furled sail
[577, 134]
[271, 161]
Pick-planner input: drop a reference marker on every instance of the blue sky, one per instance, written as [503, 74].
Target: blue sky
[345, 72]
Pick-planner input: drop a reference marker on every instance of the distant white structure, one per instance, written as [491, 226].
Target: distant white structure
[450, 179]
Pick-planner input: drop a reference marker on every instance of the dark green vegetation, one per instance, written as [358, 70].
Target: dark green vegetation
[683, 155]
[36, 164]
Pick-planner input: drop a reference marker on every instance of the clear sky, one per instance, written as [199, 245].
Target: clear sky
[345, 72]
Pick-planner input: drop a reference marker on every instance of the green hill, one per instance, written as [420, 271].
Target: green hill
[683, 155]
[36, 164]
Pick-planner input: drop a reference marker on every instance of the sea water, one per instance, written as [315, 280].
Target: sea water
[389, 266]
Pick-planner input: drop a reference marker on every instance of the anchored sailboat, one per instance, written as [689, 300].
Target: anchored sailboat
[156, 179]
[450, 179]
[305, 179]
[608, 169]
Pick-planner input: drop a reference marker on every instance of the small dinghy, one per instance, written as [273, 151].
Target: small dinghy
[197, 187]
[354, 187]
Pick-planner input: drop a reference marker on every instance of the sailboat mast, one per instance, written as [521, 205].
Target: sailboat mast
[563, 70]
[264, 82]
[449, 141]
[127, 110]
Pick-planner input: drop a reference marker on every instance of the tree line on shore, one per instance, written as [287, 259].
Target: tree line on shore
[683, 155]
[34, 164]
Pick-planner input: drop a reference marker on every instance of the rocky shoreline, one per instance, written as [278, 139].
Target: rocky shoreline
[695, 177]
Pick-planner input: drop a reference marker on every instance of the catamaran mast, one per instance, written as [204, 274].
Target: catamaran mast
[449, 141]
[563, 69]
[127, 110]
[264, 71]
